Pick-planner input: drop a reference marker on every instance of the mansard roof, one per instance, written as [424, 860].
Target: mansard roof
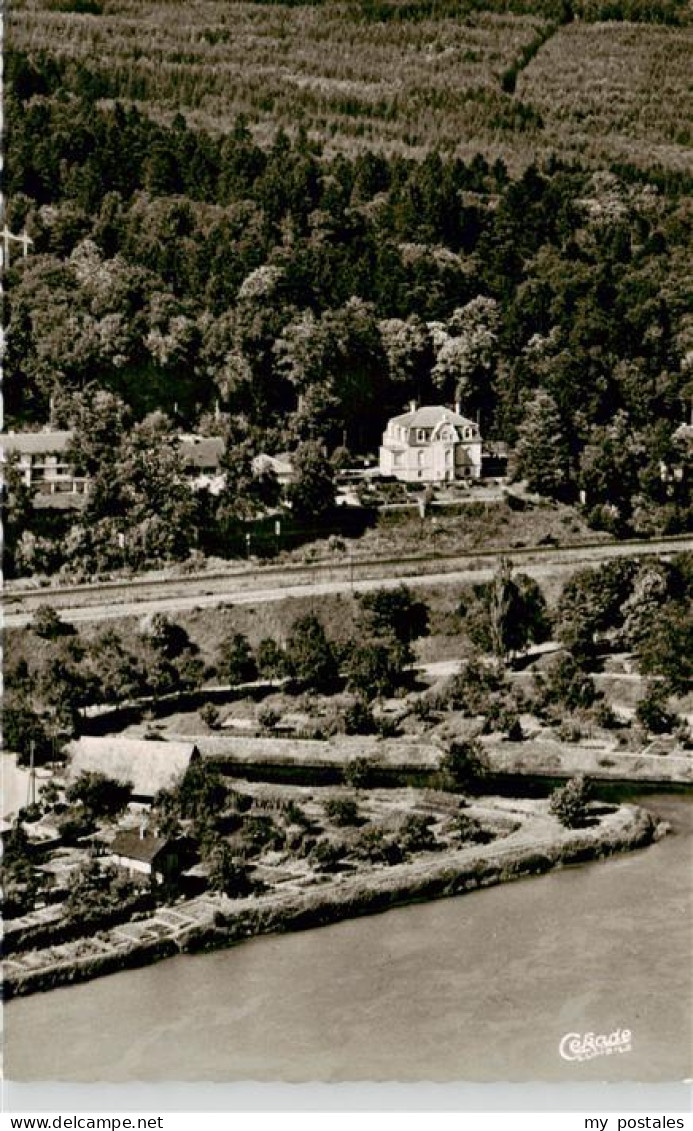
[430, 415]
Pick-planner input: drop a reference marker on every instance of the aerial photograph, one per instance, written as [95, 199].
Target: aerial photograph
[347, 455]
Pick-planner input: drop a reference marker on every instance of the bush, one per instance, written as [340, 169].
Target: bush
[270, 659]
[569, 803]
[47, 624]
[99, 795]
[226, 874]
[342, 811]
[310, 660]
[416, 834]
[210, 715]
[258, 834]
[326, 855]
[268, 718]
[375, 668]
[566, 685]
[652, 713]
[471, 690]
[376, 848]
[468, 830]
[569, 731]
[236, 661]
[360, 773]
[75, 823]
[464, 762]
[358, 718]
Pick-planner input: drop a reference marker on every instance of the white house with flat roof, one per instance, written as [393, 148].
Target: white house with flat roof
[432, 444]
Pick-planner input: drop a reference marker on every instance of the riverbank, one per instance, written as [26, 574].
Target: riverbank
[216, 922]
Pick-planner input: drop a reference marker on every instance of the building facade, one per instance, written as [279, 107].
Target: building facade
[433, 444]
[42, 462]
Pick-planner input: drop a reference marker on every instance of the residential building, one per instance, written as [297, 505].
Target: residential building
[42, 462]
[142, 853]
[202, 459]
[432, 444]
[44, 467]
[280, 464]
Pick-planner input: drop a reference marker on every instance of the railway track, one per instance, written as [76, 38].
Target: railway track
[111, 599]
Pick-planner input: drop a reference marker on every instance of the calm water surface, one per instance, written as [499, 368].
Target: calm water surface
[477, 988]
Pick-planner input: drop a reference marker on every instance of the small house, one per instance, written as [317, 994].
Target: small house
[280, 465]
[201, 457]
[142, 853]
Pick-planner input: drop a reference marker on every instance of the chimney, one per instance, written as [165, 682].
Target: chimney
[458, 407]
[413, 406]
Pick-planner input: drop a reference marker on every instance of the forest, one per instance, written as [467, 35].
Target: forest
[518, 80]
[282, 291]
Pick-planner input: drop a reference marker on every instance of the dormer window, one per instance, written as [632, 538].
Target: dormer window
[421, 435]
[467, 433]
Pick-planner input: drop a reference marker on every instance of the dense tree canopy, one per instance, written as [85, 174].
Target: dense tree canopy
[307, 296]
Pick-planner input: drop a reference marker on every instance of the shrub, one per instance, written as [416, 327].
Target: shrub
[270, 659]
[236, 661]
[75, 823]
[375, 668]
[358, 718]
[652, 713]
[226, 874]
[386, 726]
[342, 810]
[604, 715]
[375, 847]
[471, 690]
[258, 834]
[326, 855]
[359, 773]
[569, 802]
[47, 624]
[268, 718]
[210, 715]
[569, 731]
[310, 660]
[416, 834]
[566, 685]
[464, 762]
[468, 830]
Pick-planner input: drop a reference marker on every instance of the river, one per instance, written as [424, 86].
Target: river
[478, 988]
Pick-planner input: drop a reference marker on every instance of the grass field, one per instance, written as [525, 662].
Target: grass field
[509, 85]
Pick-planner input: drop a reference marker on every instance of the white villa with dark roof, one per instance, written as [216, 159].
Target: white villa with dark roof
[433, 444]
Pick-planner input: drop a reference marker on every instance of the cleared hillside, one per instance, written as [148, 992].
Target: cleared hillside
[516, 84]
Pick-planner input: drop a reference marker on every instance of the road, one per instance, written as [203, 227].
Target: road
[141, 597]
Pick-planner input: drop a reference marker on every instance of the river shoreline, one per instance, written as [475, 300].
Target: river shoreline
[346, 897]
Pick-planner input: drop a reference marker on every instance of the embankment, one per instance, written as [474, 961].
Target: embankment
[347, 896]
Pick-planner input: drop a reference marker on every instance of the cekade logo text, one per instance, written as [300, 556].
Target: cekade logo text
[577, 1046]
